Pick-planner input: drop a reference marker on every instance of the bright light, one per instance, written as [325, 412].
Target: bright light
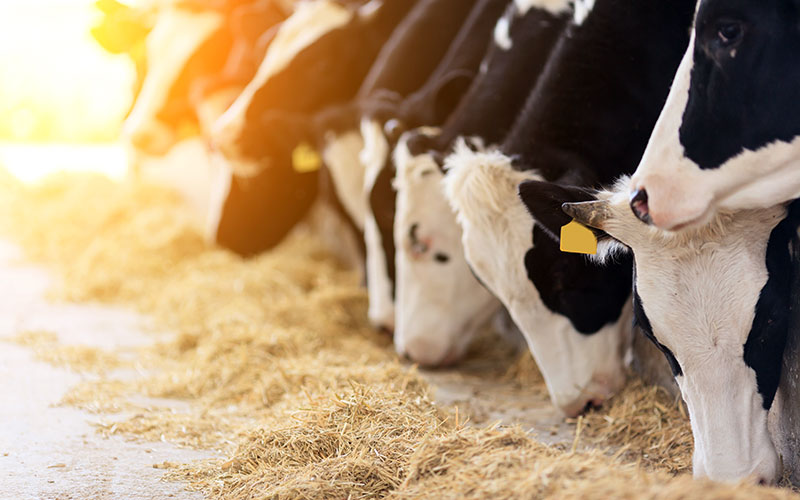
[31, 163]
[57, 83]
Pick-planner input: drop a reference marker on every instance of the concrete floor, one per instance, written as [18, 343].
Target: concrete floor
[51, 452]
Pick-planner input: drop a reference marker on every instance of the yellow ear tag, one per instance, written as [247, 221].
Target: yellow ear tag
[305, 159]
[577, 238]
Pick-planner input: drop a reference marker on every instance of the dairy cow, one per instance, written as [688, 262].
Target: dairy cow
[728, 135]
[434, 101]
[404, 64]
[440, 304]
[319, 57]
[586, 122]
[715, 299]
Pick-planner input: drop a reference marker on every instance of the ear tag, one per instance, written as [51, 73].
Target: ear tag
[577, 238]
[305, 159]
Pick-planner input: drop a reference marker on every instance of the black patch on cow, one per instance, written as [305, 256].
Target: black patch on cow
[743, 93]
[641, 321]
[763, 351]
[382, 200]
[590, 295]
[494, 100]
[260, 210]
[544, 200]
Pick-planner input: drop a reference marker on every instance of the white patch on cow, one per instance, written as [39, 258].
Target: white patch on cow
[699, 288]
[175, 37]
[440, 305]
[502, 30]
[482, 189]
[369, 9]
[310, 21]
[329, 226]
[341, 157]
[552, 6]
[681, 194]
[582, 10]
[379, 285]
[502, 33]
[220, 189]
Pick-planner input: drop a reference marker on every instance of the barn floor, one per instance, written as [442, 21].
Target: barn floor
[260, 379]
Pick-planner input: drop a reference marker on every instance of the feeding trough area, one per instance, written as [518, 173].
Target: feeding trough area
[395, 249]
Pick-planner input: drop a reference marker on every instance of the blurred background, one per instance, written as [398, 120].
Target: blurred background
[62, 96]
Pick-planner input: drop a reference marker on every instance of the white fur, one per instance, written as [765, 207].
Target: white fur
[552, 6]
[176, 36]
[379, 287]
[699, 289]
[341, 156]
[440, 306]
[582, 10]
[682, 194]
[502, 35]
[309, 22]
[482, 189]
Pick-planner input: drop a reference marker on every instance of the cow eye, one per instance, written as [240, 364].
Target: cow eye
[730, 32]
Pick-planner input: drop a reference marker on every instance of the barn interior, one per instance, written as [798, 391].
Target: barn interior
[142, 361]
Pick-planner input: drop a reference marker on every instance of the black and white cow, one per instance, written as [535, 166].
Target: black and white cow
[716, 300]
[728, 136]
[433, 101]
[319, 57]
[586, 122]
[440, 304]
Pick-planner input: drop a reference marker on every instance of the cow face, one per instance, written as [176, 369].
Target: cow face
[573, 327]
[715, 300]
[728, 135]
[174, 61]
[440, 303]
[248, 133]
[378, 224]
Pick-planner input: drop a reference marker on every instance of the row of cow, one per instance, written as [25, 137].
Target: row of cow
[453, 139]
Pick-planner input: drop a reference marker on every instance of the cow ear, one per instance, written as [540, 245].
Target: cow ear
[544, 199]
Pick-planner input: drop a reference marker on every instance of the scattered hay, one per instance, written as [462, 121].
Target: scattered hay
[278, 369]
[647, 424]
[78, 358]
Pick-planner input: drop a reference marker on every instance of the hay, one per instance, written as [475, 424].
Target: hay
[78, 358]
[275, 367]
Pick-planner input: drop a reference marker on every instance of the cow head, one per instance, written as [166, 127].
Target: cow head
[715, 300]
[174, 61]
[728, 135]
[568, 310]
[440, 304]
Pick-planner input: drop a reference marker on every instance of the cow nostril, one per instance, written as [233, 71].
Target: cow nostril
[640, 207]
[386, 330]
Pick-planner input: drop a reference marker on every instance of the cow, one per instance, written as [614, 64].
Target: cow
[440, 304]
[727, 138]
[319, 58]
[715, 299]
[187, 46]
[434, 101]
[586, 122]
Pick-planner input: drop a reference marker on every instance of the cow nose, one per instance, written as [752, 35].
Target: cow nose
[639, 206]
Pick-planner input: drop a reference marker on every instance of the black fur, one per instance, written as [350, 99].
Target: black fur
[747, 100]
[763, 351]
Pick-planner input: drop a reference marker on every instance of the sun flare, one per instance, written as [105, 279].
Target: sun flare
[59, 88]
